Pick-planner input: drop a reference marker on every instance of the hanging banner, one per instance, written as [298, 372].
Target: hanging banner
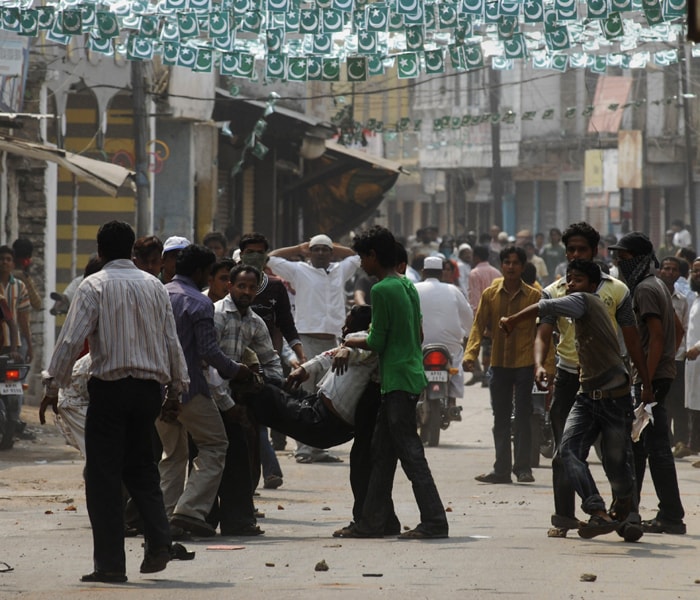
[630, 145]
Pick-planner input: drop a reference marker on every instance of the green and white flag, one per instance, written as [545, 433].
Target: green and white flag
[473, 56]
[447, 17]
[253, 22]
[204, 61]
[29, 22]
[296, 68]
[375, 65]
[138, 48]
[107, 25]
[149, 27]
[566, 10]
[322, 43]
[377, 18]
[473, 7]
[515, 47]
[170, 53]
[533, 11]
[314, 68]
[367, 42]
[612, 26]
[46, 16]
[356, 68]
[332, 21]
[188, 25]
[407, 65]
[101, 45]
[434, 62]
[331, 69]
[309, 22]
[414, 38]
[219, 24]
[274, 38]
[187, 57]
[72, 22]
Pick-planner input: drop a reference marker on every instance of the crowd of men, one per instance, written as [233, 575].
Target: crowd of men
[213, 344]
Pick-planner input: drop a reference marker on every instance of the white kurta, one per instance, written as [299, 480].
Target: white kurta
[447, 318]
[692, 367]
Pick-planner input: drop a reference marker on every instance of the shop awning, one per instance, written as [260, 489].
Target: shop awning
[106, 176]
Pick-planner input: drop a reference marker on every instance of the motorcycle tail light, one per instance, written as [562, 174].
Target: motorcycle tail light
[435, 360]
[12, 375]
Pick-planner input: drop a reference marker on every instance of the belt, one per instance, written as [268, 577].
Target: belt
[608, 394]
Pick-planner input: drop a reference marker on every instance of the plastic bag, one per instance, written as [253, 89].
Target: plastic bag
[642, 417]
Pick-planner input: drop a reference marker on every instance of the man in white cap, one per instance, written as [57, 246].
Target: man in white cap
[171, 250]
[320, 303]
[464, 262]
[447, 318]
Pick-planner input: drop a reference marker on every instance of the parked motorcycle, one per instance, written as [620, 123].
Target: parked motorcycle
[435, 409]
[11, 391]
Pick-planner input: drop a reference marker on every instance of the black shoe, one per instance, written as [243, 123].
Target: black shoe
[104, 577]
[493, 477]
[597, 526]
[631, 529]
[562, 522]
[272, 482]
[155, 561]
[179, 552]
[352, 531]
[195, 526]
[661, 526]
[525, 477]
[245, 530]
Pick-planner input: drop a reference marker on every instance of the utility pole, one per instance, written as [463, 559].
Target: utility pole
[496, 175]
[689, 149]
[144, 225]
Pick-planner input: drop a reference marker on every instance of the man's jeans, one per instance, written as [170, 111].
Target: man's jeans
[566, 386]
[612, 418]
[396, 438]
[655, 445]
[504, 381]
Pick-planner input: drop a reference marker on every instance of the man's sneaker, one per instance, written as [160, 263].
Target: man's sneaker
[661, 526]
[525, 477]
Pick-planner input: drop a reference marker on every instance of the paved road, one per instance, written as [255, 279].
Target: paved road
[497, 546]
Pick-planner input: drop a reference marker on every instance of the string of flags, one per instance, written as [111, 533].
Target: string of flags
[450, 122]
[253, 145]
[353, 40]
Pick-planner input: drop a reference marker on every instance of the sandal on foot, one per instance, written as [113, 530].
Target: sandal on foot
[420, 534]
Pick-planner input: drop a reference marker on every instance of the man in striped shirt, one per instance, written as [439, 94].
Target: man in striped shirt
[127, 318]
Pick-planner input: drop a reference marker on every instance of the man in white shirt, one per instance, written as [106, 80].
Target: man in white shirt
[681, 235]
[464, 262]
[447, 318]
[320, 303]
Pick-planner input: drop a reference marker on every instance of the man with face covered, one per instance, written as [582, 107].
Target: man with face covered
[320, 304]
[661, 332]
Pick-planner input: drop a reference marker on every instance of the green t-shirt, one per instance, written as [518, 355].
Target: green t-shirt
[395, 335]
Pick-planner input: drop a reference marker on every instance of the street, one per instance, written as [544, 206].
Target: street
[498, 545]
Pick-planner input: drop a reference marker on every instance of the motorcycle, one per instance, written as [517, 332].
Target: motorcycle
[11, 390]
[435, 409]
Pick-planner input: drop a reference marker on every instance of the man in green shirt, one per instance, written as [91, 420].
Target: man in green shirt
[395, 335]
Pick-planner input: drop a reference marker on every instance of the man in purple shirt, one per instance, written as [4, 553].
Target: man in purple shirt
[196, 412]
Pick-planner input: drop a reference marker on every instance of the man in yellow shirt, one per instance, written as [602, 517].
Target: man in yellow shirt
[512, 366]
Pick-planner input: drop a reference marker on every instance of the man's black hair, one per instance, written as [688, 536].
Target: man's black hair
[241, 268]
[215, 236]
[115, 240]
[673, 259]
[688, 253]
[588, 268]
[582, 229]
[381, 241]
[508, 250]
[253, 238]
[401, 254]
[684, 268]
[604, 267]
[529, 275]
[192, 258]
[481, 252]
[23, 248]
[94, 265]
[360, 318]
[7, 250]
[555, 230]
[222, 263]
